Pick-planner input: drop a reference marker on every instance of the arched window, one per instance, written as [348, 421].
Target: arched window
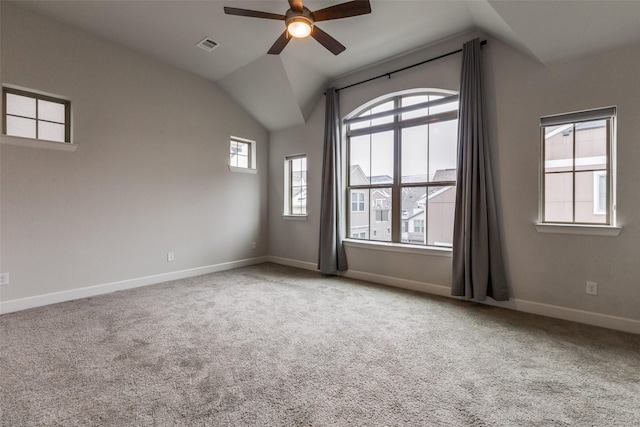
[401, 152]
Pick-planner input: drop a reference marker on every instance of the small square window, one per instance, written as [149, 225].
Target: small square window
[242, 155]
[32, 115]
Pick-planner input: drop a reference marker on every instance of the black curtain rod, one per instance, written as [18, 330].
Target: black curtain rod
[482, 43]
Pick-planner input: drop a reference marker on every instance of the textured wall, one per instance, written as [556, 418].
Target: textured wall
[149, 175]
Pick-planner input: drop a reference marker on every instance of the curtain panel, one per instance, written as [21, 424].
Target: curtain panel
[478, 268]
[331, 254]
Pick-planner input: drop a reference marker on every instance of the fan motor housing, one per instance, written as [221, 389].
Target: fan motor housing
[305, 15]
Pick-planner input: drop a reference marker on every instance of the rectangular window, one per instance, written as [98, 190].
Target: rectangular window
[402, 154]
[382, 215]
[295, 184]
[357, 201]
[578, 185]
[32, 115]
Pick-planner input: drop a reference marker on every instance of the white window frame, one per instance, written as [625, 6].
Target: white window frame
[288, 185]
[251, 161]
[610, 228]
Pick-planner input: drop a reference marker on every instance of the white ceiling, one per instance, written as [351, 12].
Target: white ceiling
[169, 30]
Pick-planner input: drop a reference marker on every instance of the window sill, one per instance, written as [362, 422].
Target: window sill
[37, 143]
[587, 230]
[398, 247]
[294, 217]
[243, 170]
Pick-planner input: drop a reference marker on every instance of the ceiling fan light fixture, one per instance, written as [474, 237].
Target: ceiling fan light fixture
[299, 27]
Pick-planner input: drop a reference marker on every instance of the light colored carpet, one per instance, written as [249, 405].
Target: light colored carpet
[274, 346]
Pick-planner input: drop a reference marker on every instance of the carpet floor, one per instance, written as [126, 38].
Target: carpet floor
[269, 345]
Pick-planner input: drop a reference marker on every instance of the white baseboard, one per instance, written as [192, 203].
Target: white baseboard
[90, 291]
[587, 317]
[293, 263]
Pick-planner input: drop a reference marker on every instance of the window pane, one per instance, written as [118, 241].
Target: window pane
[413, 100]
[382, 158]
[51, 131]
[18, 126]
[591, 145]
[442, 108]
[443, 151]
[359, 160]
[233, 151]
[380, 214]
[243, 161]
[51, 111]
[558, 148]
[587, 199]
[363, 124]
[298, 186]
[359, 214]
[558, 193]
[414, 154]
[380, 108]
[440, 213]
[413, 208]
[21, 105]
[239, 154]
[600, 192]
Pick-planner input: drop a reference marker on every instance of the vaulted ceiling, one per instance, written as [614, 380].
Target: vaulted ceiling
[281, 90]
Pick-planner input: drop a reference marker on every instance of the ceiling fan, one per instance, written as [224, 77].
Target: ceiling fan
[300, 22]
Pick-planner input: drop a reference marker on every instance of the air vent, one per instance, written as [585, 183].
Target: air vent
[207, 44]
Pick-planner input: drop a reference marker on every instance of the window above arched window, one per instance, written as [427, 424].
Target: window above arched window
[402, 152]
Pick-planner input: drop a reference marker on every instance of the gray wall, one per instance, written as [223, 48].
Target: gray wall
[149, 175]
[542, 268]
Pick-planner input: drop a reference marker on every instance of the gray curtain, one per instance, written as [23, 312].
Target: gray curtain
[478, 268]
[331, 255]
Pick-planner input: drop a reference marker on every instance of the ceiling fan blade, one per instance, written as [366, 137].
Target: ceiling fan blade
[296, 5]
[252, 13]
[280, 44]
[333, 45]
[343, 10]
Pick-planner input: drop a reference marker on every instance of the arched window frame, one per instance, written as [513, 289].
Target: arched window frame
[392, 116]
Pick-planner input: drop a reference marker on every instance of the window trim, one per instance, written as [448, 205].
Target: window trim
[407, 248]
[609, 114]
[288, 188]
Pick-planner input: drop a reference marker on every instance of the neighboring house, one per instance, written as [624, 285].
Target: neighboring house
[440, 212]
[358, 203]
[370, 210]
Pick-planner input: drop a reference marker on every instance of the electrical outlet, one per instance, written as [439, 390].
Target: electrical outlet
[253, 245]
[4, 279]
[170, 257]
[592, 288]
